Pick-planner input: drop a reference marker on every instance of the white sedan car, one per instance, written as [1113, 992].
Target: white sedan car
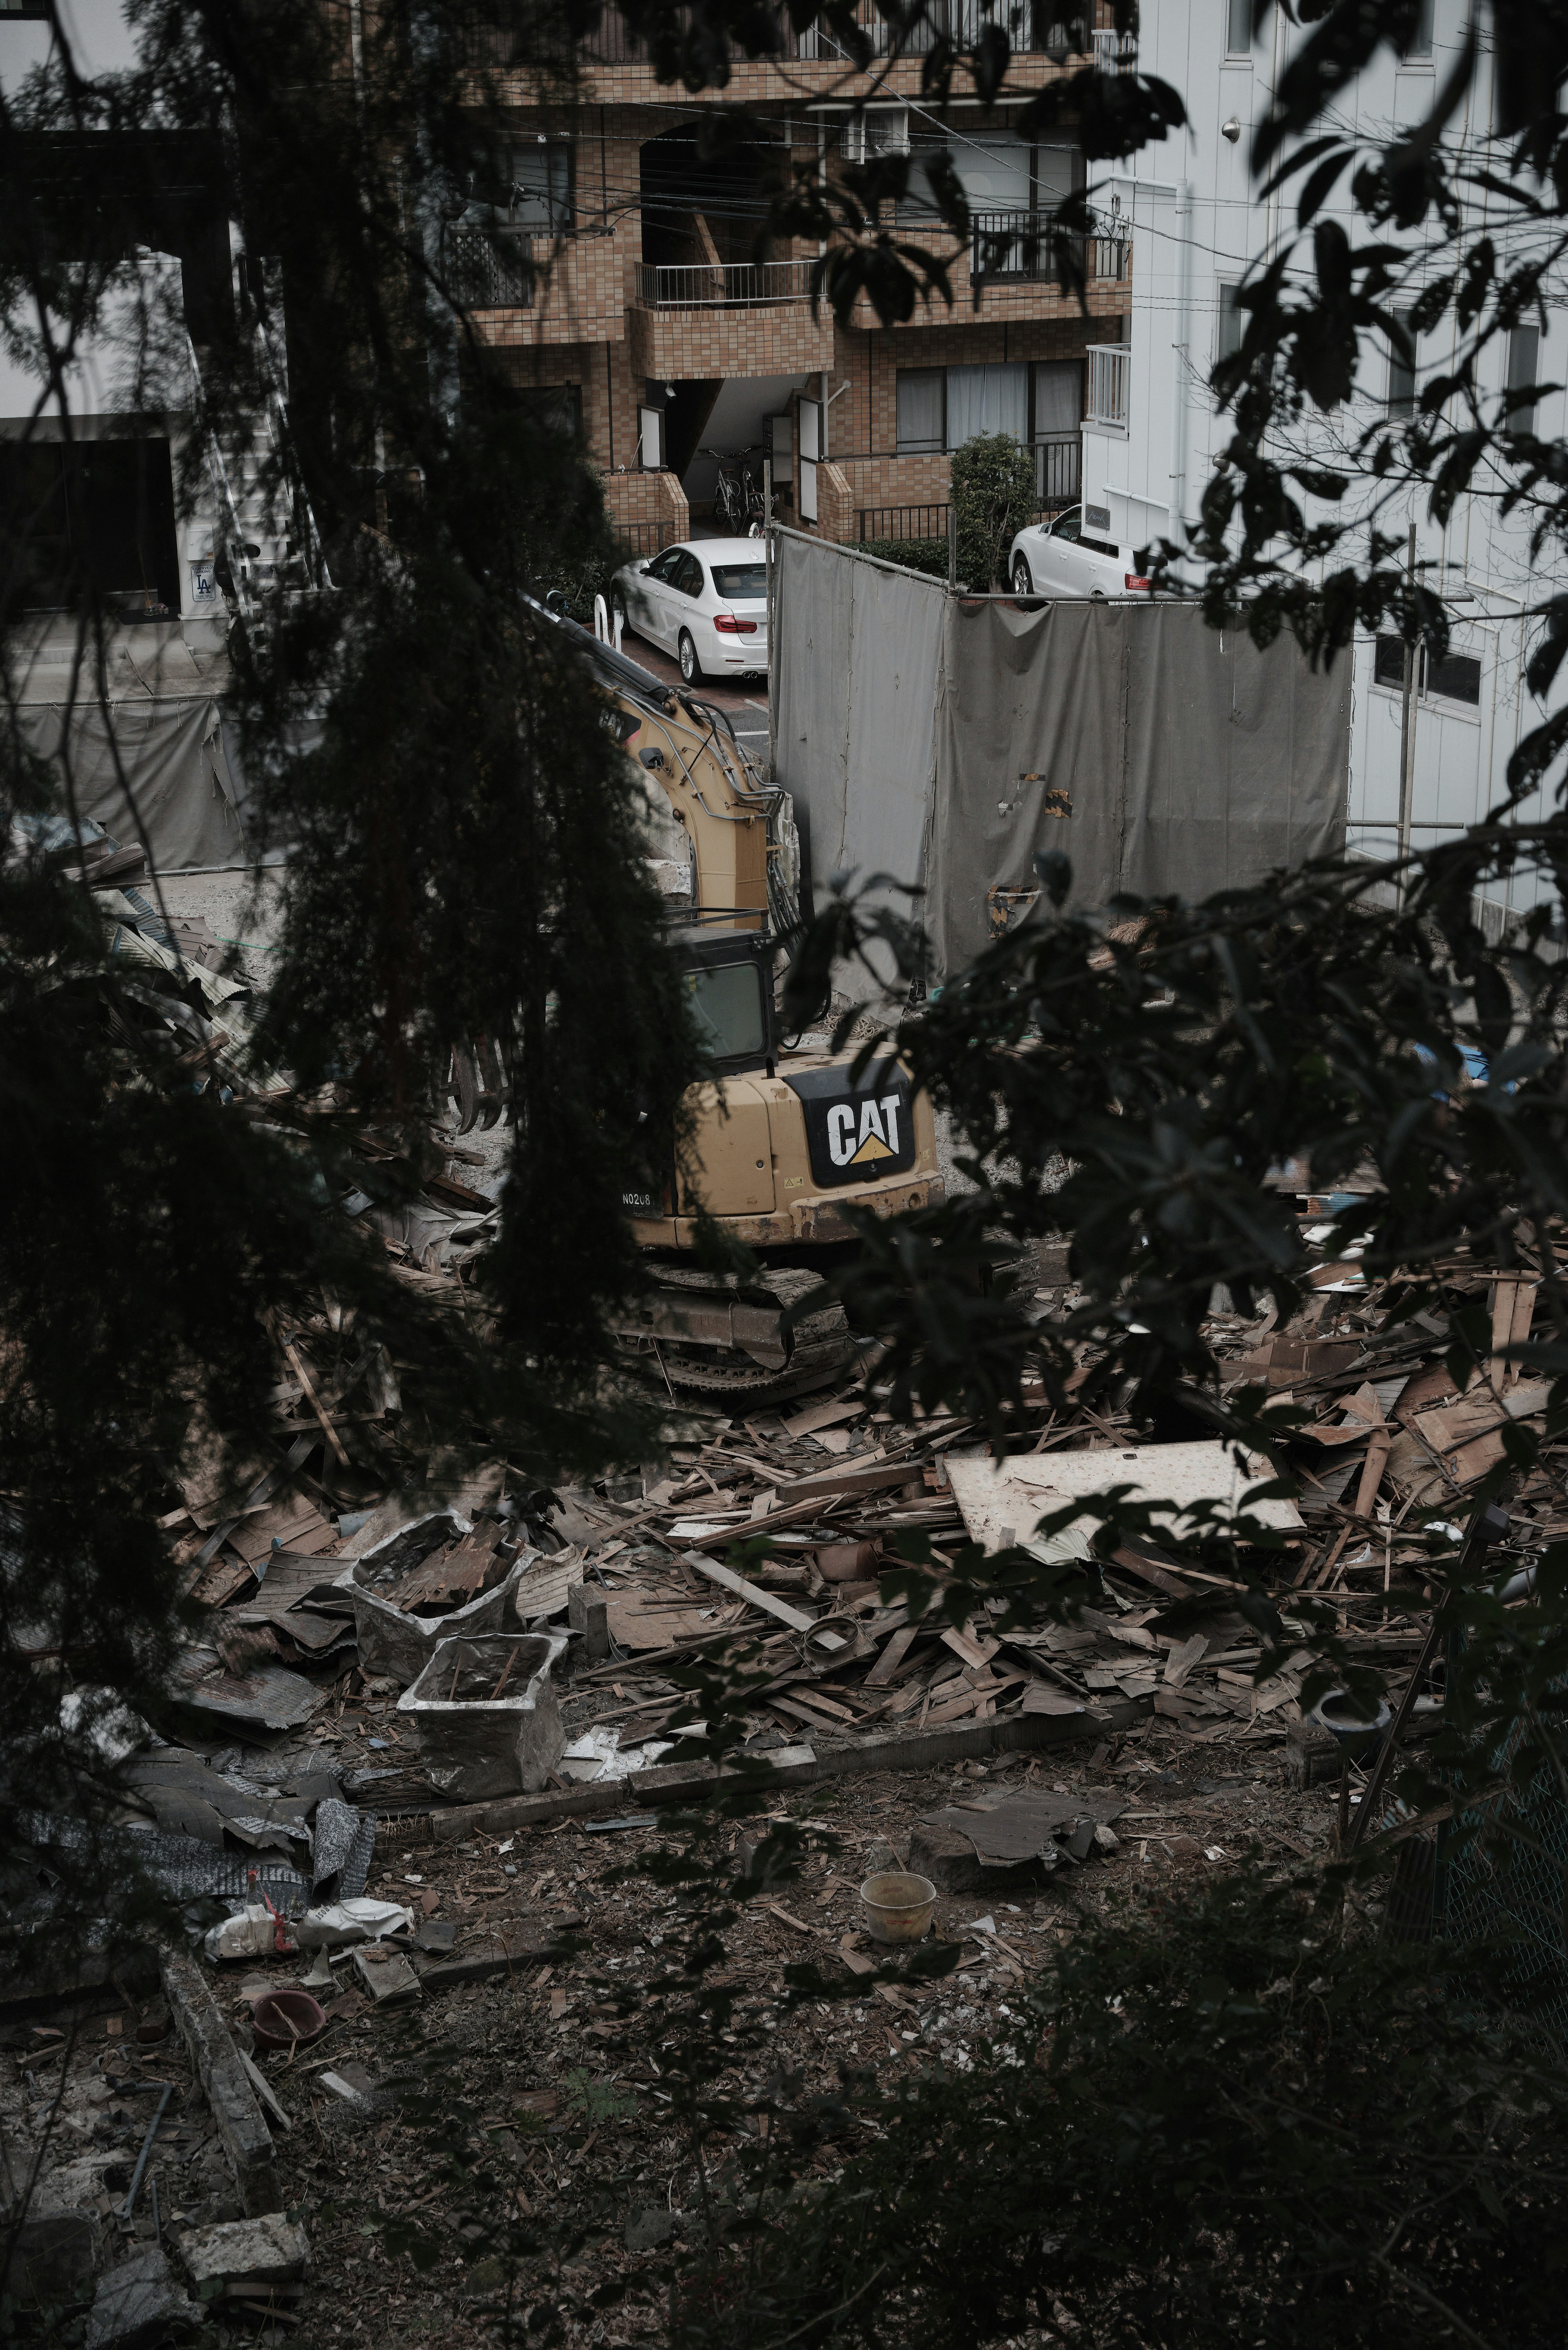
[1065, 557]
[707, 604]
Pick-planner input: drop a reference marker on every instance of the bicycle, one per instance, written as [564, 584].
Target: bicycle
[738, 494]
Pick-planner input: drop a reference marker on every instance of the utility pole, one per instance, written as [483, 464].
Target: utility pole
[1408, 719]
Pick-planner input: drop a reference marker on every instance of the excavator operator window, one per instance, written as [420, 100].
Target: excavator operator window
[725, 1000]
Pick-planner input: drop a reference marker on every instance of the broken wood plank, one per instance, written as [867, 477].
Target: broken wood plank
[755, 1597]
[839, 1484]
[892, 1657]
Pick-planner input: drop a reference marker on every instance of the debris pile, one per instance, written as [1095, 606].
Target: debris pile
[394, 1696]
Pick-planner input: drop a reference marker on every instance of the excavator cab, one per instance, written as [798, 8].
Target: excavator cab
[728, 986]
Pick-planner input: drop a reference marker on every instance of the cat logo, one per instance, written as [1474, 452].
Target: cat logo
[876, 1138]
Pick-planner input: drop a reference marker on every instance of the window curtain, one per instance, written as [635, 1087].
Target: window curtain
[1058, 397]
[987, 399]
[920, 409]
[994, 172]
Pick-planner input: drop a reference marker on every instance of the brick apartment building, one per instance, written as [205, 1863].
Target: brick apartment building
[623, 275]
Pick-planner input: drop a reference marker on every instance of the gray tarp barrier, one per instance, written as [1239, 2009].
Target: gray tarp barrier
[1165, 757]
[852, 711]
[952, 740]
[168, 750]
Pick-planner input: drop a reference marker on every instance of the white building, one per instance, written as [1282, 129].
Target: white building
[1152, 435]
[117, 498]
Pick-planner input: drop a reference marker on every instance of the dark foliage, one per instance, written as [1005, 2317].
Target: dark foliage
[1213, 2123]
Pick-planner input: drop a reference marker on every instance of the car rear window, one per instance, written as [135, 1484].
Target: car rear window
[738, 580]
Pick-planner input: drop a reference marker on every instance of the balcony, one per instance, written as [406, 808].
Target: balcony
[1110, 378]
[1115, 53]
[724, 286]
[612, 43]
[493, 268]
[1017, 245]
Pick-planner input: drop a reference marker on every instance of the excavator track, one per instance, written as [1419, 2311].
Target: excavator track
[714, 1334]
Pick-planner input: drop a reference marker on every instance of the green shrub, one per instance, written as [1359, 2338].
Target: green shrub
[993, 491]
[929, 555]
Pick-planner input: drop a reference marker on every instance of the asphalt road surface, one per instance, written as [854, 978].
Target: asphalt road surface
[745, 698]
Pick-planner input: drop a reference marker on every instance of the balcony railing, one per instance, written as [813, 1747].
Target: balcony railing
[1058, 469]
[1115, 53]
[1018, 244]
[959, 21]
[1110, 377]
[493, 268]
[724, 286]
[614, 44]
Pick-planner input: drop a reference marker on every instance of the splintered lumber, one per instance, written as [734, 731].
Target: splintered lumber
[755, 1597]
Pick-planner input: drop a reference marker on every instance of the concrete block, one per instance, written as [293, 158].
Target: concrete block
[246, 2138]
[586, 1613]
[948, 1859]
[486, 1716]
[138, 2304]
[265, 2251]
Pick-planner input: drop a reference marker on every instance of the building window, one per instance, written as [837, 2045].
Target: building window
[1229, 340]
[922, 411]
[558, 407]
[88, 519]
[539, 196]
[1417, 50]
[1238, 28]
[1402, 375]
[1456, 677]
[1388, 663]
[880, 131]
[988, 399]
[1523, 363]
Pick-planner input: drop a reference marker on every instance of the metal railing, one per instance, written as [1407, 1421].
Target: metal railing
[902, 522]
[1058, 469]
[1115, 53]
[726, 285]
[612, 43]
[1019, 244]
[959, 21]
[1057, 473]
[1110, 377]
[493, 268]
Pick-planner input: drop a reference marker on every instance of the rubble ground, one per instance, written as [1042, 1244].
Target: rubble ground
[1034, 1777]
[538, 2061]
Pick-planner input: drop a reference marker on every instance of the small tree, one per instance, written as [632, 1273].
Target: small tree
[993, 492]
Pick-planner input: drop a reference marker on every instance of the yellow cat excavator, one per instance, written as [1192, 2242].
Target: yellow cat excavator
[782, 1141]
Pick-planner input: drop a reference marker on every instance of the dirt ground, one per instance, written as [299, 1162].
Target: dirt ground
[539, 2048]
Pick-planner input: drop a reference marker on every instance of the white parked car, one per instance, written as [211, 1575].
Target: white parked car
[1066, 558]
[707, 604]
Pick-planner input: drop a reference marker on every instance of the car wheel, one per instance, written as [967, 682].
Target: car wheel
[1023, 577]
[691, 667]
[1096, 595]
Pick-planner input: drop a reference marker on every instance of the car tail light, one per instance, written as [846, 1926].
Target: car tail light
[728, 624]
[1134, 579]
